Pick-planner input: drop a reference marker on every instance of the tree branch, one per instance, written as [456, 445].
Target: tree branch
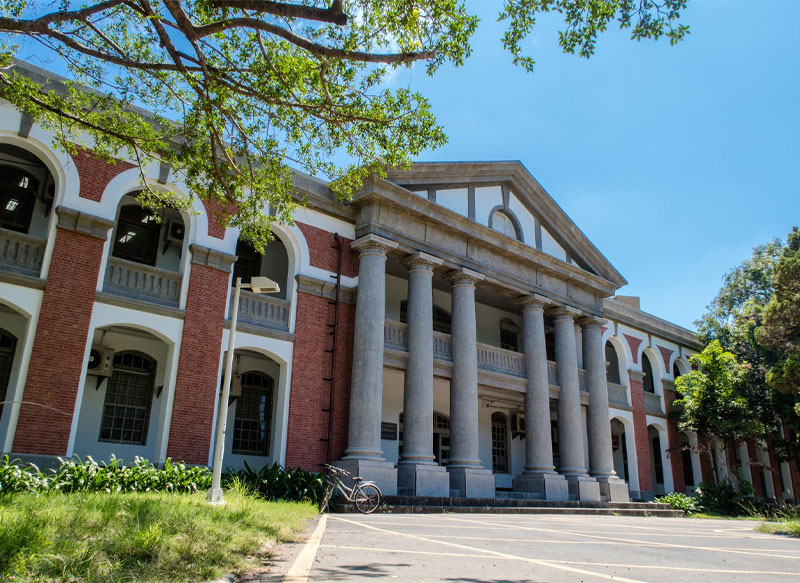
[334, 14]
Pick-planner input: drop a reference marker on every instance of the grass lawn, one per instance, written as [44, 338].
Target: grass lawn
[138, 537]
[790, 527]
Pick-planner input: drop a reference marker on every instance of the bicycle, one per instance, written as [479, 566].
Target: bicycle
[365, 495]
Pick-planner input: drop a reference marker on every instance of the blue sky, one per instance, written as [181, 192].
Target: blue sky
[674, 161]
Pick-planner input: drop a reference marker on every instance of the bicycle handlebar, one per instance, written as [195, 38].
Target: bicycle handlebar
[334, 470]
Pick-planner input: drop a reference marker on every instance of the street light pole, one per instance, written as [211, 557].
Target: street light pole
[258, 285]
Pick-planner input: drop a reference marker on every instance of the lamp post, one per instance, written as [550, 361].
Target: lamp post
[258, 285]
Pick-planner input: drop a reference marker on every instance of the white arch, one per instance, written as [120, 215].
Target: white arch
[657, 364]
[623, 357]
[666, 464]
[683, 366]
[630, 443]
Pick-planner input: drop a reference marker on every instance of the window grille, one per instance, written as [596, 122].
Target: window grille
[657, 463]
[509, 335]
[251, 425]
[248, 262]
[126, 410]
[499, 443]
[137, 236]
[17, 198]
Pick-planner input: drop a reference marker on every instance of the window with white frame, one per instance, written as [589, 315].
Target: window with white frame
[499, 443]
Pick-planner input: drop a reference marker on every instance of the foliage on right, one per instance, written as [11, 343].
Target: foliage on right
[746, 381]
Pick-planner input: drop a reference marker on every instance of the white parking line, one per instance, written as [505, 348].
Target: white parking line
[298, 572]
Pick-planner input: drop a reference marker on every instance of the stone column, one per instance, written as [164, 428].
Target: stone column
[418, 474]
[467, 476]
[570, 419]
[601, 461]
[539, 476]
[364, 456]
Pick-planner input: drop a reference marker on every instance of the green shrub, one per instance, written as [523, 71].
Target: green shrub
[74, 475]
[274, 482]
[689, 504]
[725, 498]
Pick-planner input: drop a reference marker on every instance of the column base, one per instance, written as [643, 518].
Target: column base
[466, 482]
[583, 488]
[548, 486]
[422, 480]
[383, 473]
[613, 490]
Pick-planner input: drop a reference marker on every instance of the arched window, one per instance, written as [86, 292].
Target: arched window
[17, 198]
[138, 234]
[8, 344]
[442, 320]
[248, 262]
[509, 335]
[126, 410]
[612, 370]
[251, 425]
[658, 465]
[647, 369]
[675, 372]
[500, 220]
[499, 443]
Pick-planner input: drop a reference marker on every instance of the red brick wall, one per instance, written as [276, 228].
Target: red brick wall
[197, 385]
[666, 354]
[215, 212]
[324, 255]
[640, 434]
[634, 343]
[58, 349]
[675, 454]
[95, 173]
[310, 393]
[706, 465]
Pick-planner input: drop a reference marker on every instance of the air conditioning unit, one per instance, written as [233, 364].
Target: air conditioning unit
[517, 425]
[101, 361]
[175, 231]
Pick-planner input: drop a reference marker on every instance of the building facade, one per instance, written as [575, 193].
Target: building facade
[448, 332]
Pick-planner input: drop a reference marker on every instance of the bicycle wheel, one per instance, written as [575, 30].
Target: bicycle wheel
[326, 498]
[367, 498]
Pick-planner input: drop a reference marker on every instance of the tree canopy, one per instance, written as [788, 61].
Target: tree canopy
[234, 94]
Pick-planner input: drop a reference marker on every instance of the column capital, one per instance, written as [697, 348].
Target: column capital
[464, 276]
[533, 302]
[420, 260]
[563, 312]
[373, 242]
[592, 321]
[83, 223]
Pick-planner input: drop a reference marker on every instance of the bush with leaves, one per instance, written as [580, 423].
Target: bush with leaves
[726, 497]
[274, 482]
[678, 501]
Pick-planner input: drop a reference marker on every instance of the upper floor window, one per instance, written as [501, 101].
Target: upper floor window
[612, 364]
[17, 198]
[647, 369]
[675, 371]
[442, 320]
[248, 262]
[126, 410]
[509, 335]
[251, 425]
[138, 235]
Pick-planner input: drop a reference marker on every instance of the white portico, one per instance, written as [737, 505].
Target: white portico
[434, 286]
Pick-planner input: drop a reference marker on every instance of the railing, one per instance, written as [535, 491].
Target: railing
[652, 403]
[442, 346]
[142, 282]
[264, 311]
[500, 360]
[617, 394]
[552, 376]
[395, 335]
[21, 253]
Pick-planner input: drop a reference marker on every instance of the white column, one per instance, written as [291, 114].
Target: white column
[364, 455]
[467, 476]
[539, 475]
[601, 462]
[418, 474]
[570, 419]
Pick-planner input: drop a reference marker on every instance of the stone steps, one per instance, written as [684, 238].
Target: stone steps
[430, 505]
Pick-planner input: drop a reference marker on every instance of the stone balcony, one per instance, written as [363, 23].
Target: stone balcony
[263, 311]
[142, 282]
[21, 253]
[652, 404]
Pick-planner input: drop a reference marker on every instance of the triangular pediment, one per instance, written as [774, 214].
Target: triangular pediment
[478, 189]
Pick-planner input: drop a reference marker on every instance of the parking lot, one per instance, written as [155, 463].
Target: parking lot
[478, 548]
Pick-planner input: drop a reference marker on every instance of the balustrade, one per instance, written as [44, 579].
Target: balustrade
[652, 403]
[263, 310]
[21, 253]
[142, 282]
[617, 394]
